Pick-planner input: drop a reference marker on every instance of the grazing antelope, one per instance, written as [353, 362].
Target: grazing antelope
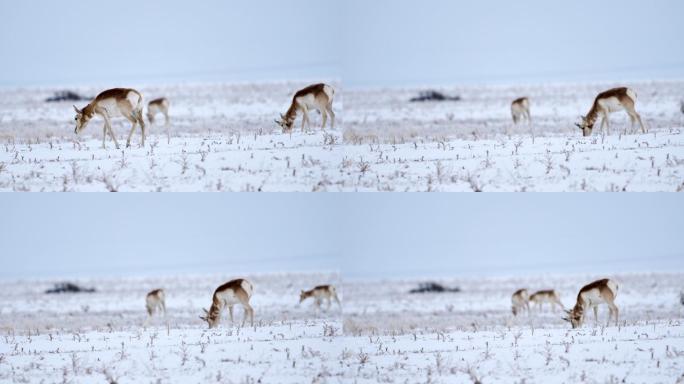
[591, 295]
[227, 295]
[317, 96]
[549, 296]
[607, 102]
[320, 293]
[520, 301]
[155, 301]
[113, 103]
[160, 105]
[520, 109]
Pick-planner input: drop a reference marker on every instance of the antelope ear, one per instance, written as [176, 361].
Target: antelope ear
[203, 318]
[565, 318]
[568, 311]
[76, 109]
[205, 311]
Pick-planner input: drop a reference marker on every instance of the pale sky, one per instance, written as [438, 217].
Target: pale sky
[446, 42]
[361, 235]
[365, 43]
[83, 234]
[47, 42]
[409, 235]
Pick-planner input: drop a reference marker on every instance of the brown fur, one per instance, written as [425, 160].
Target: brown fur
[155, 300]
[519, 100]
[602, 285]
[129, 111]
[319, 94]
[551, 297]
[576, 315]
[214, 312]
[520, 301]
[316, 89]
[157, 101]
[621, 94]
[520, 109]
[319, 293]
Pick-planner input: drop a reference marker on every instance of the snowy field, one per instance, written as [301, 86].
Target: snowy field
[385, 335]
[472, 145]
[223, 138]
[471, 336]
[99, 337]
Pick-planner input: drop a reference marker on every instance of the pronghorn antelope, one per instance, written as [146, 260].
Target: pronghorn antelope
[320, 293]
[155, 301]
[612, 100]
[591, 295]
[549, 296]
[113, 103]
[520, 301]
[520, 109]
[317, 96]
[227, 295]
[160, 105]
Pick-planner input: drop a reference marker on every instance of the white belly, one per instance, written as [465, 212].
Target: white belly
[309, 101]
[611, 104]
[228, 297]
[593, 297]
[111, 106]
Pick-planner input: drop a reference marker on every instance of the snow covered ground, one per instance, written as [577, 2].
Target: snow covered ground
[385, 334]
[224, 138]
[472, 145]
[99, 337]
[471, 336]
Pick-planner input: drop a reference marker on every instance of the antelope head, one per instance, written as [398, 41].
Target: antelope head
[574, 317]
[302, 297]
[211, 320]
[82, 119]
[285, 123]
[150, 117]
[585, 126]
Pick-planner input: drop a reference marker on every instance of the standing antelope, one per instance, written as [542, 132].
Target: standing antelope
[320, 293]
[548, 296]
[317, 96]
[591, 295]
[113, 103]
[160, 105]
[520, 109]
[520, 301]
[155, 301]
[612, 100]
[227, 295]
